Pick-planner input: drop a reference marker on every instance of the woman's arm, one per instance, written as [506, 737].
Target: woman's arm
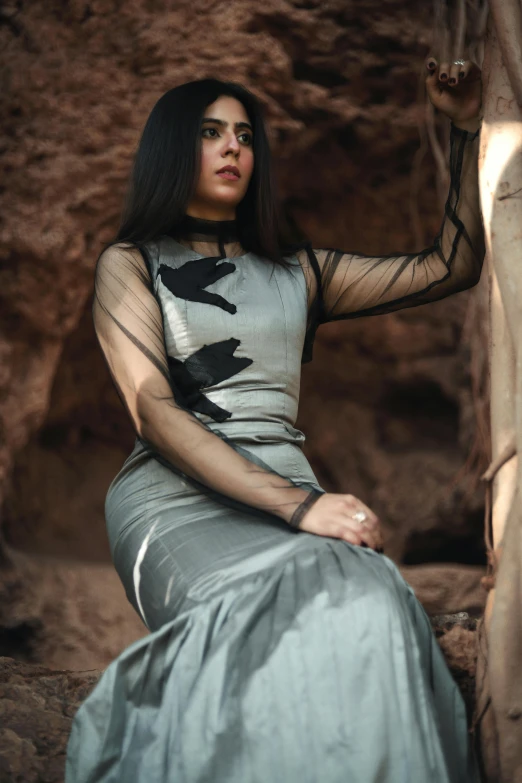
[348, 285]
[354, 285]
[129, 327]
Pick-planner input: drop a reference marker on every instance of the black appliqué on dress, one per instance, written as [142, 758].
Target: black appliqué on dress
[211, 363]
[190, 280]
[207, 366]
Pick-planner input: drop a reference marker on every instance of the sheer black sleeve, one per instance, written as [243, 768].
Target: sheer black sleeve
[351, 285]
[129, 327]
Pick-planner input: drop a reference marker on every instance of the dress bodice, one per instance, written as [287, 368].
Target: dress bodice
[234, 335]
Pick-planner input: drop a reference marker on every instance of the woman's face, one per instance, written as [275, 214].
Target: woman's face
[226, 140]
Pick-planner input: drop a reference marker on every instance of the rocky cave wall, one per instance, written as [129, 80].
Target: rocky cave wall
[386, 404]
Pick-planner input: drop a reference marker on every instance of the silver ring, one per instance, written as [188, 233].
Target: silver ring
[459, 62]
[360, 517]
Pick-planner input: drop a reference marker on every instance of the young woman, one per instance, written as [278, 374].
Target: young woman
[284, 646]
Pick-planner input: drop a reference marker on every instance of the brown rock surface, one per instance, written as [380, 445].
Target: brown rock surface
[37, 706]
[64, 614]
[447, 588]
[457, 636]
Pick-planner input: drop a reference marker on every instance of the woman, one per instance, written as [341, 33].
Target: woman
[284, 646]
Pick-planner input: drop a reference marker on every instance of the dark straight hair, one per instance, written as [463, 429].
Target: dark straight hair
[166, 169]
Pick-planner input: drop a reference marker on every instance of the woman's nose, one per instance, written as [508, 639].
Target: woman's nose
[232, 144]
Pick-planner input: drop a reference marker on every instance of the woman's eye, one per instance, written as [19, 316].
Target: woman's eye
[211, 133]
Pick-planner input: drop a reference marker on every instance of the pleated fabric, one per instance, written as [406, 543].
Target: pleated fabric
[273, 655]
[313, 662]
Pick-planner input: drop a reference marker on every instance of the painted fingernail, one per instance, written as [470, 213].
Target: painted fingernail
[443, 76]
[452, 80]
[462, 74]
[431, 65]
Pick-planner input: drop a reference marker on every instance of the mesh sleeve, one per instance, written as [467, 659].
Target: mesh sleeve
[129, 327]
[350, 285]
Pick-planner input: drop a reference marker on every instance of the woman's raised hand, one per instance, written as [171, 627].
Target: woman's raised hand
[456, 90]
[343, 516]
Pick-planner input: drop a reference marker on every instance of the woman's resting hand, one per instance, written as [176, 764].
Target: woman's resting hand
[333, 515]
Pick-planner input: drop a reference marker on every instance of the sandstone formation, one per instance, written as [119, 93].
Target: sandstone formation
[36, 709]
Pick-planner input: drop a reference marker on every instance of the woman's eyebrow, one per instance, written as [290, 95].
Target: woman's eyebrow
[224, 124]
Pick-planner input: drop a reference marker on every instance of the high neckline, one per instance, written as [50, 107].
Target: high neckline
[199, 229]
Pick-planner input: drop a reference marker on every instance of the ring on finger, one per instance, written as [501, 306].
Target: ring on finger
[360, 516]
[459, 62]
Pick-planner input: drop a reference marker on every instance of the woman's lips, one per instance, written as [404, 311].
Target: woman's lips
[227, 175]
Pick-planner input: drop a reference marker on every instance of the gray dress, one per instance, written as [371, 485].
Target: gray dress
[274, 655]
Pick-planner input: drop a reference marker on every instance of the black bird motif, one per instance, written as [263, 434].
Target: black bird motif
[190, 280]
[207, 366]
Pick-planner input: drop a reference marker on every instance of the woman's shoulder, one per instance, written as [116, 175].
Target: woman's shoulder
[124, 259]
[119, 252]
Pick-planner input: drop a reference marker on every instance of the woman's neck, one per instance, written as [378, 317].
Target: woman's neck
[216, 229]
[209, 212]
[216, 233]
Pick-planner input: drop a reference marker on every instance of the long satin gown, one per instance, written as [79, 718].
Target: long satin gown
[274, 655]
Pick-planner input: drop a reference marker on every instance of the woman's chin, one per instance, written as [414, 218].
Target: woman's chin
[225, 197]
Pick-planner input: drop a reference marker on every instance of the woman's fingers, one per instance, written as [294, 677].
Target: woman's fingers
[450, 73]
[444, 72]
[372, 518]
[352, 506]
[431, 64]
[454, 74]
[369, 537]
[460, 70]
[366, 531]
[464, 69]
[358, 536]
[372, 537]
[351, 538]
[345, 517]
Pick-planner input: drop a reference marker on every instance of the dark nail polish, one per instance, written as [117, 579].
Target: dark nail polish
[462, 74]
[452, 80]
[443, 76]
[431, 65]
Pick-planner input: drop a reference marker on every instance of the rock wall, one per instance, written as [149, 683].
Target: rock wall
[385, 404]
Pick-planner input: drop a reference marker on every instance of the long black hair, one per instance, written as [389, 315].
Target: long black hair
[166, 170]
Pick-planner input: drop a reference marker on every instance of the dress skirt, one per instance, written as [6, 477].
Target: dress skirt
[274, 656]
